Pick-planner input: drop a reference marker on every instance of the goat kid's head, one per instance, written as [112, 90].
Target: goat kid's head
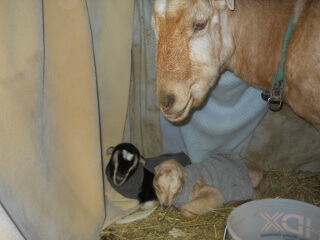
[123, 162]
[193, 44]
[168, 181]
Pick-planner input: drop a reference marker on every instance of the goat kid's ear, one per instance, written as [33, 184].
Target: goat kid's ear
[109, 151]
[142, 160]
[184, 175]
[230, 4]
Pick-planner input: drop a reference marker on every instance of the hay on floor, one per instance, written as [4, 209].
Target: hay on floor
[292, 184]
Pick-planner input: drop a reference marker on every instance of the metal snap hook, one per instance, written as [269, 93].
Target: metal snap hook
[275, 105]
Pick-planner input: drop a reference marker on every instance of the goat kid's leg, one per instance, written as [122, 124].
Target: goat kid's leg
[259, 178]
[149, 204]
[204, 199]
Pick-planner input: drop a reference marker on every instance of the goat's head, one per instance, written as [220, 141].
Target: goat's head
[168, 181]
[190, 51]
[123, 162]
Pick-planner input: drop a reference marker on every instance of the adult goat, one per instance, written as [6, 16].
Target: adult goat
[199, 39]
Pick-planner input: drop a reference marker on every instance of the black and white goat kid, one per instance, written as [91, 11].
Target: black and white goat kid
[128, 176]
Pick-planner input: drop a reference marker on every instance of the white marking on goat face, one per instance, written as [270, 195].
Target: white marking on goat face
[160, 7]
[167, 7]
[124, 154]
[204, 54]
[174, 6]
[127, 155]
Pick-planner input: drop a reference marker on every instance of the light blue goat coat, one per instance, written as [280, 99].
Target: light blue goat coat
[231, 113]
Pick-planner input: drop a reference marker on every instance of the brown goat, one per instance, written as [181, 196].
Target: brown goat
[199, 39]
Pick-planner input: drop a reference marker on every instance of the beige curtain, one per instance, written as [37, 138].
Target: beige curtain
[112, 40]
[143, 124]
[54, 55]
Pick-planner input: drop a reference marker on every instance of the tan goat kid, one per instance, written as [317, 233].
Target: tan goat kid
[198, 39]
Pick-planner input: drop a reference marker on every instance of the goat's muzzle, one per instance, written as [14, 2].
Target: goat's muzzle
[167, 102]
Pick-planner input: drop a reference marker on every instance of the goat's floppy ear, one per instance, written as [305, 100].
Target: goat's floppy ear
[142, 160]
[230, 4]
[109, 151]
[180, 170]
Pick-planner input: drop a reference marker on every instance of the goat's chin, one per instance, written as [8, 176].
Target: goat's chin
[181, 114]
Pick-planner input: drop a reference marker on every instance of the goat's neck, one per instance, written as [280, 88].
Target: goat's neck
[257, 28]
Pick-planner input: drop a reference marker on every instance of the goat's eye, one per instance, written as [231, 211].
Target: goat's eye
[200, 25]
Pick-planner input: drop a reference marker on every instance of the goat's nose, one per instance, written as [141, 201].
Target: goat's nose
[167, 101]
[165, 207]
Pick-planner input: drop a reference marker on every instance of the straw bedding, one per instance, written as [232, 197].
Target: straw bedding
[292, 184]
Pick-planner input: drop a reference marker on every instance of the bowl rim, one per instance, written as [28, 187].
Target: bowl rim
[267, 203]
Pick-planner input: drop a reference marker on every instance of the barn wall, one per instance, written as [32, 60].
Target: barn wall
[285, 140]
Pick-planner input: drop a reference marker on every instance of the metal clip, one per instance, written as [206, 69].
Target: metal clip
[275, 98]
[265, 95]
[275, 105]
